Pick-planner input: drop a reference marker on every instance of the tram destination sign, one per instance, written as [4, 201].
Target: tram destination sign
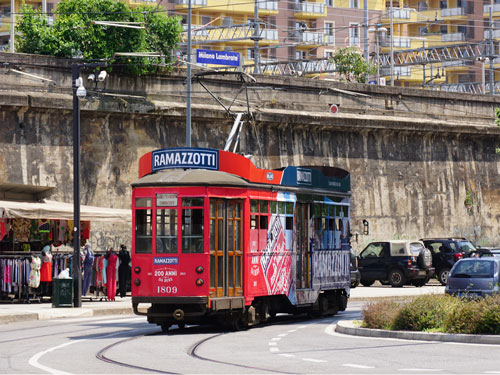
[196, 158]
[205, 56]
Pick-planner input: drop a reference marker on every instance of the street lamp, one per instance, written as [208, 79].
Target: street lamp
[377, 30]
[78, 93]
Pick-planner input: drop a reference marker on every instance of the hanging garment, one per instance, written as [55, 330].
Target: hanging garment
[111, 275]
[46, 271]
[36, 264]
[88, 262]
[123, 271]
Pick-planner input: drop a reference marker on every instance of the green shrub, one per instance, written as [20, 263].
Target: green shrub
[424, 313]
[380, 315]
[464, 317]
[489, 321]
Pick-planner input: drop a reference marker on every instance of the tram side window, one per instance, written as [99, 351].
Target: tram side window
[166, 231]
[326, 232]
[259, 224]
[143, 226]
[192, 226]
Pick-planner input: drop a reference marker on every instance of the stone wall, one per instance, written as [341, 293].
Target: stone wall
[422, 163]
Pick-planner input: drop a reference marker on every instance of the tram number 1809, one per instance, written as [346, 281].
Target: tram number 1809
[167, 289]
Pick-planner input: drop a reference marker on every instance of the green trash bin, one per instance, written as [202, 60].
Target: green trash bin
[62, 293]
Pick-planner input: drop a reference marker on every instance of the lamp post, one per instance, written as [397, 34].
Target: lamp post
[483, 61]
[78, 92]
[377, 30]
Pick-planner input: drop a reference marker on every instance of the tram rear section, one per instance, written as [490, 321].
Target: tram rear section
[217, 239]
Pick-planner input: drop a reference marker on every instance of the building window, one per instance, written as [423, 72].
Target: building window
[300, 55]
[354, 34]
[354, 4]
[328, 54]
[329, 3]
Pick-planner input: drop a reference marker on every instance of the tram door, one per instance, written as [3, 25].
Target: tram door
[226, 254]
[302, 268]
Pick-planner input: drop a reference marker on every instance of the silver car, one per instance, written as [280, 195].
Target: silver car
[474, 277]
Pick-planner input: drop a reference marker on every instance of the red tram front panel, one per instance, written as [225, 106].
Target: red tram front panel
[176, 263]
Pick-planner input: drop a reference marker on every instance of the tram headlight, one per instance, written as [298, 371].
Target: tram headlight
[137, 282]
[137, 269]
[200, 282]
[199, 269]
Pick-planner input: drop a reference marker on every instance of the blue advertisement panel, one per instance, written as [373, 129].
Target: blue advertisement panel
[204, 56]
[199, 158]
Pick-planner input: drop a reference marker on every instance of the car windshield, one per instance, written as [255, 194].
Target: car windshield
[474, 269]
[466, 246]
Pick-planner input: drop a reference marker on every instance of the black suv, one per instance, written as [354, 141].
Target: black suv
[396, 263]
[445, 252]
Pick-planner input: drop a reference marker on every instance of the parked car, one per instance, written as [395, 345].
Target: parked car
[396, 263]
[446, 252]
[474, 277]
[355, 275]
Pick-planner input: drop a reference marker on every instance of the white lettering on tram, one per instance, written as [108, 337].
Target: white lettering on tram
[185, 158]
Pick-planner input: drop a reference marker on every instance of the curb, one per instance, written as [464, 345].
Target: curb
[5, 319]
[347, 327]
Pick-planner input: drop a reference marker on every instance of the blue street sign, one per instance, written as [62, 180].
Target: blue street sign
[204, 56]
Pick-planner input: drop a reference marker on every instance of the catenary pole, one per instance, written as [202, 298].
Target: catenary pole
[188, 86]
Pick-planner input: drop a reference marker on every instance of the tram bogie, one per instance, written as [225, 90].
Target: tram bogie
[217, 240]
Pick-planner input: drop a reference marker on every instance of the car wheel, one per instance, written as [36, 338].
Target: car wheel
[443, 276]
[396, 278]
[354, 284]
[367, 282]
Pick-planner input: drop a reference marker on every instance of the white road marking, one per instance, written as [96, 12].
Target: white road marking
[287, 355]
[356, 366]
[314, 360]
[276, 339]
[282, 335]
[273, 343]
[300, 327]
[292, 330]
[274, 350]
[421, 369]
[33, 361]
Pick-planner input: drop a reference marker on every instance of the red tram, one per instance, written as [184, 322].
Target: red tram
[218, 239]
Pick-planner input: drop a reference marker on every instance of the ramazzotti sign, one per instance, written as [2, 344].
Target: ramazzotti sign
[185, 158]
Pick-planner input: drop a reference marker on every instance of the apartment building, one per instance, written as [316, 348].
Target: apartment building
[307, 29]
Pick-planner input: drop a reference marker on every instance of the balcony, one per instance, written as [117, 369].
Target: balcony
[4, 23]
[453, 37]
[309, 10]
[194, 3]
[309, 38]
[452, 12]
[494, 8]
[268, 7]
[397, 13]
[496, 34]
[330, 39]
[269, 34]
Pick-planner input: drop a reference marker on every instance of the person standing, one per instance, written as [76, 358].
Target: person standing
[46, 270]
[112, 259]
[123, 270]
[88, 262]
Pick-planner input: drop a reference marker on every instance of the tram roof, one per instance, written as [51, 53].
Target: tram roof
[203, 166]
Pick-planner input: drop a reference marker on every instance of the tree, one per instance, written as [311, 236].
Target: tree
[351, 66]
[74, 35]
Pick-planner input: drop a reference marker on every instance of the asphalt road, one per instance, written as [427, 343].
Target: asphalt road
[127, 344]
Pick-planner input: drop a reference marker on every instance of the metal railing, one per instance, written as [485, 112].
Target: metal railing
[268, 5]
[307, 7]
[452, 12]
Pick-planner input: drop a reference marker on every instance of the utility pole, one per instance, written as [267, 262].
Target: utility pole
[188, 87]
[256, 38]
[392, 46]
[365, 36]
[12, 25]
[491, 57]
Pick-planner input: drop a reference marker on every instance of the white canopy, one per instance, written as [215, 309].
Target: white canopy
[48, 209]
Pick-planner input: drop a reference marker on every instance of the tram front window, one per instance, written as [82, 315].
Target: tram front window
[192, 226]
[143, 231]
[166, 231]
